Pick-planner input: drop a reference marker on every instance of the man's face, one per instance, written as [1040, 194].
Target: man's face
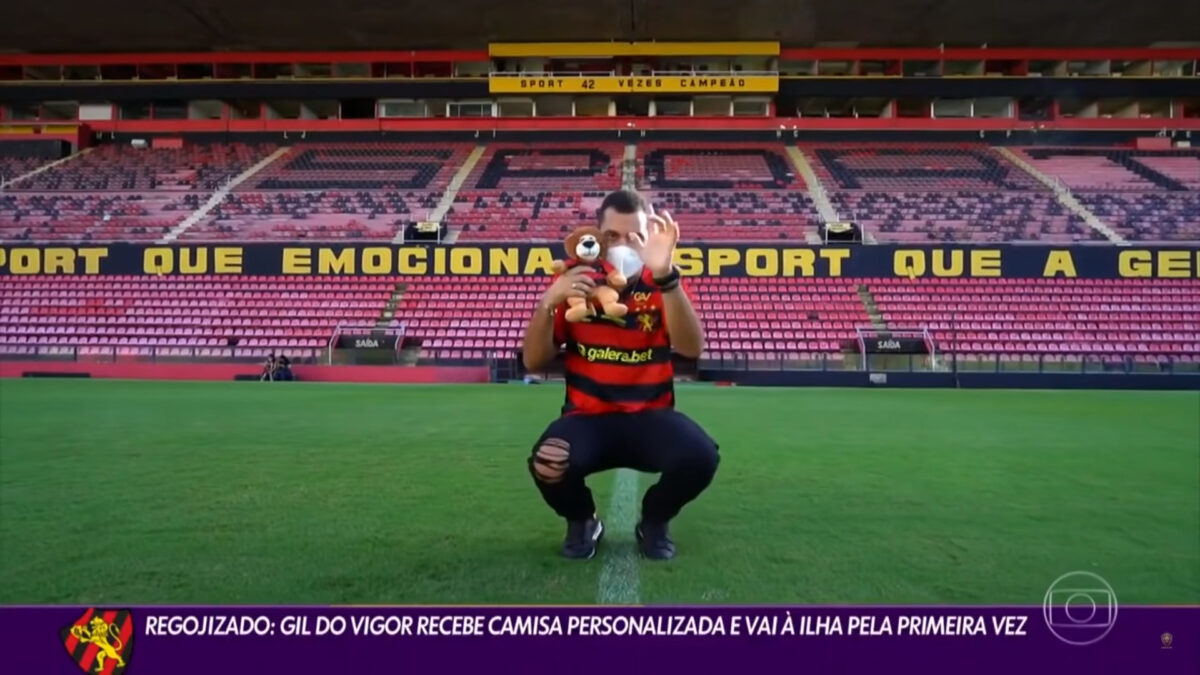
[618, 227]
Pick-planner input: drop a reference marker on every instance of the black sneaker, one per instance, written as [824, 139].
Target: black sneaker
[582, 537]
[654, 540]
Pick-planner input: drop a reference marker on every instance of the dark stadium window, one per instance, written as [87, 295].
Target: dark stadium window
[352, 70]
[156, 71]
[438, 69]
[60, 111]
[134, 110]
[81, 73]
[870, 107]
[673, 107]
[170, 110]
[963, 68]
[1154, 108]
[319, 110]
[233, 71]
[118, 72]
[245, 110]
[10, 72]
[358, 109]
[878, 68]
[1035, 108]
[1191, 107]
[1002, 67]
[195, 71]
[1048, 68]
[283, 110]
[630, 106]
[272, 71]
[1133, 68]
[314, 70]
[21, 112]
[401, 69]
[912, 107]
[1071, 107]
[922, 68]
[205, 110]
[834, 68]
[41, 73]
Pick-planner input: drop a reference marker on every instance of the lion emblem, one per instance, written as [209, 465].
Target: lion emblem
[104, 635]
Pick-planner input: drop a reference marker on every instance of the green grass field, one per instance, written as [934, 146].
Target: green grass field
[150, 493]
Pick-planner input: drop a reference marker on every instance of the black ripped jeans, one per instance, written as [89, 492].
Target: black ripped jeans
[654, 441]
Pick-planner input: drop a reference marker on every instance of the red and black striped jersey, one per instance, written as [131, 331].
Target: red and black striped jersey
[619, 365]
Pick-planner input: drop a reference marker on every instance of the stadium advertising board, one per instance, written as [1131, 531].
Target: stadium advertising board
[729, 83]
[741, 260]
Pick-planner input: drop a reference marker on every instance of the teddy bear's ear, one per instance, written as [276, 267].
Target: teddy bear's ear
[572, 243]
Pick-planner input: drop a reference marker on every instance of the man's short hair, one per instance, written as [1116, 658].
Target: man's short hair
[622, 201]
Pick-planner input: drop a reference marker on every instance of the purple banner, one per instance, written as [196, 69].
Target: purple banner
[294, 640]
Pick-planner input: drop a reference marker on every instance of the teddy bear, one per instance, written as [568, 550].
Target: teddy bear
[585, 246]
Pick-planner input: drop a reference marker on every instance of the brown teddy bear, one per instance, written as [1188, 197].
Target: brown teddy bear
[585, 246]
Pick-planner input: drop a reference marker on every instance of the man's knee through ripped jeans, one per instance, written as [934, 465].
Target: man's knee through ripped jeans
[551, 460]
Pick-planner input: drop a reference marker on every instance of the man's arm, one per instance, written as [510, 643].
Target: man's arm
[657, 248]
[538, 347]
[687, 335]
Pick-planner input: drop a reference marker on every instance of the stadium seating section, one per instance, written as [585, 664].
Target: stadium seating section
[191, 318]
[12, 167]
[727, 191]
[923, 194]
[1062, 317]
[902, 193]
[756, 318]
[1144, 195]
[535, 192]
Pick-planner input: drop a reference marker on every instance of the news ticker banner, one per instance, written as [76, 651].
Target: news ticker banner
[295, 640]
[749, 260]
[726, 83]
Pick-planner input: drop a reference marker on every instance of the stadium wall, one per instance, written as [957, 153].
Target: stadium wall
[231, 371]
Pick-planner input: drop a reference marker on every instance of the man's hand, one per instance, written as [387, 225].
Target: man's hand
[657, 247]
[574, 283]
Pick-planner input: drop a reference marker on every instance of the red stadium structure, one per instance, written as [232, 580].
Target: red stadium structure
[245, 203]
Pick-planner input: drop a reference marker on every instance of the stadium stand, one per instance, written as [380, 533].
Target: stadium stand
[924, 193]
[1144, 195]
[12, 167]
[189, 318]
[1061, 318]
[486, 316]
[538, 192]
[332, 191]
[523, 191]
[323, 216]
[727, 191]
[88, 216]
[198, 166]
[361, 166]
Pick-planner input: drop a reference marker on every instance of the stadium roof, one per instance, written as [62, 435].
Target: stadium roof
[187, 25]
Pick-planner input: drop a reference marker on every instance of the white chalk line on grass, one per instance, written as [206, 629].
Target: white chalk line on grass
[619, 583]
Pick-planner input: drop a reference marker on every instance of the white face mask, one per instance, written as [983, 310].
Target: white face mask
[626, 260]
